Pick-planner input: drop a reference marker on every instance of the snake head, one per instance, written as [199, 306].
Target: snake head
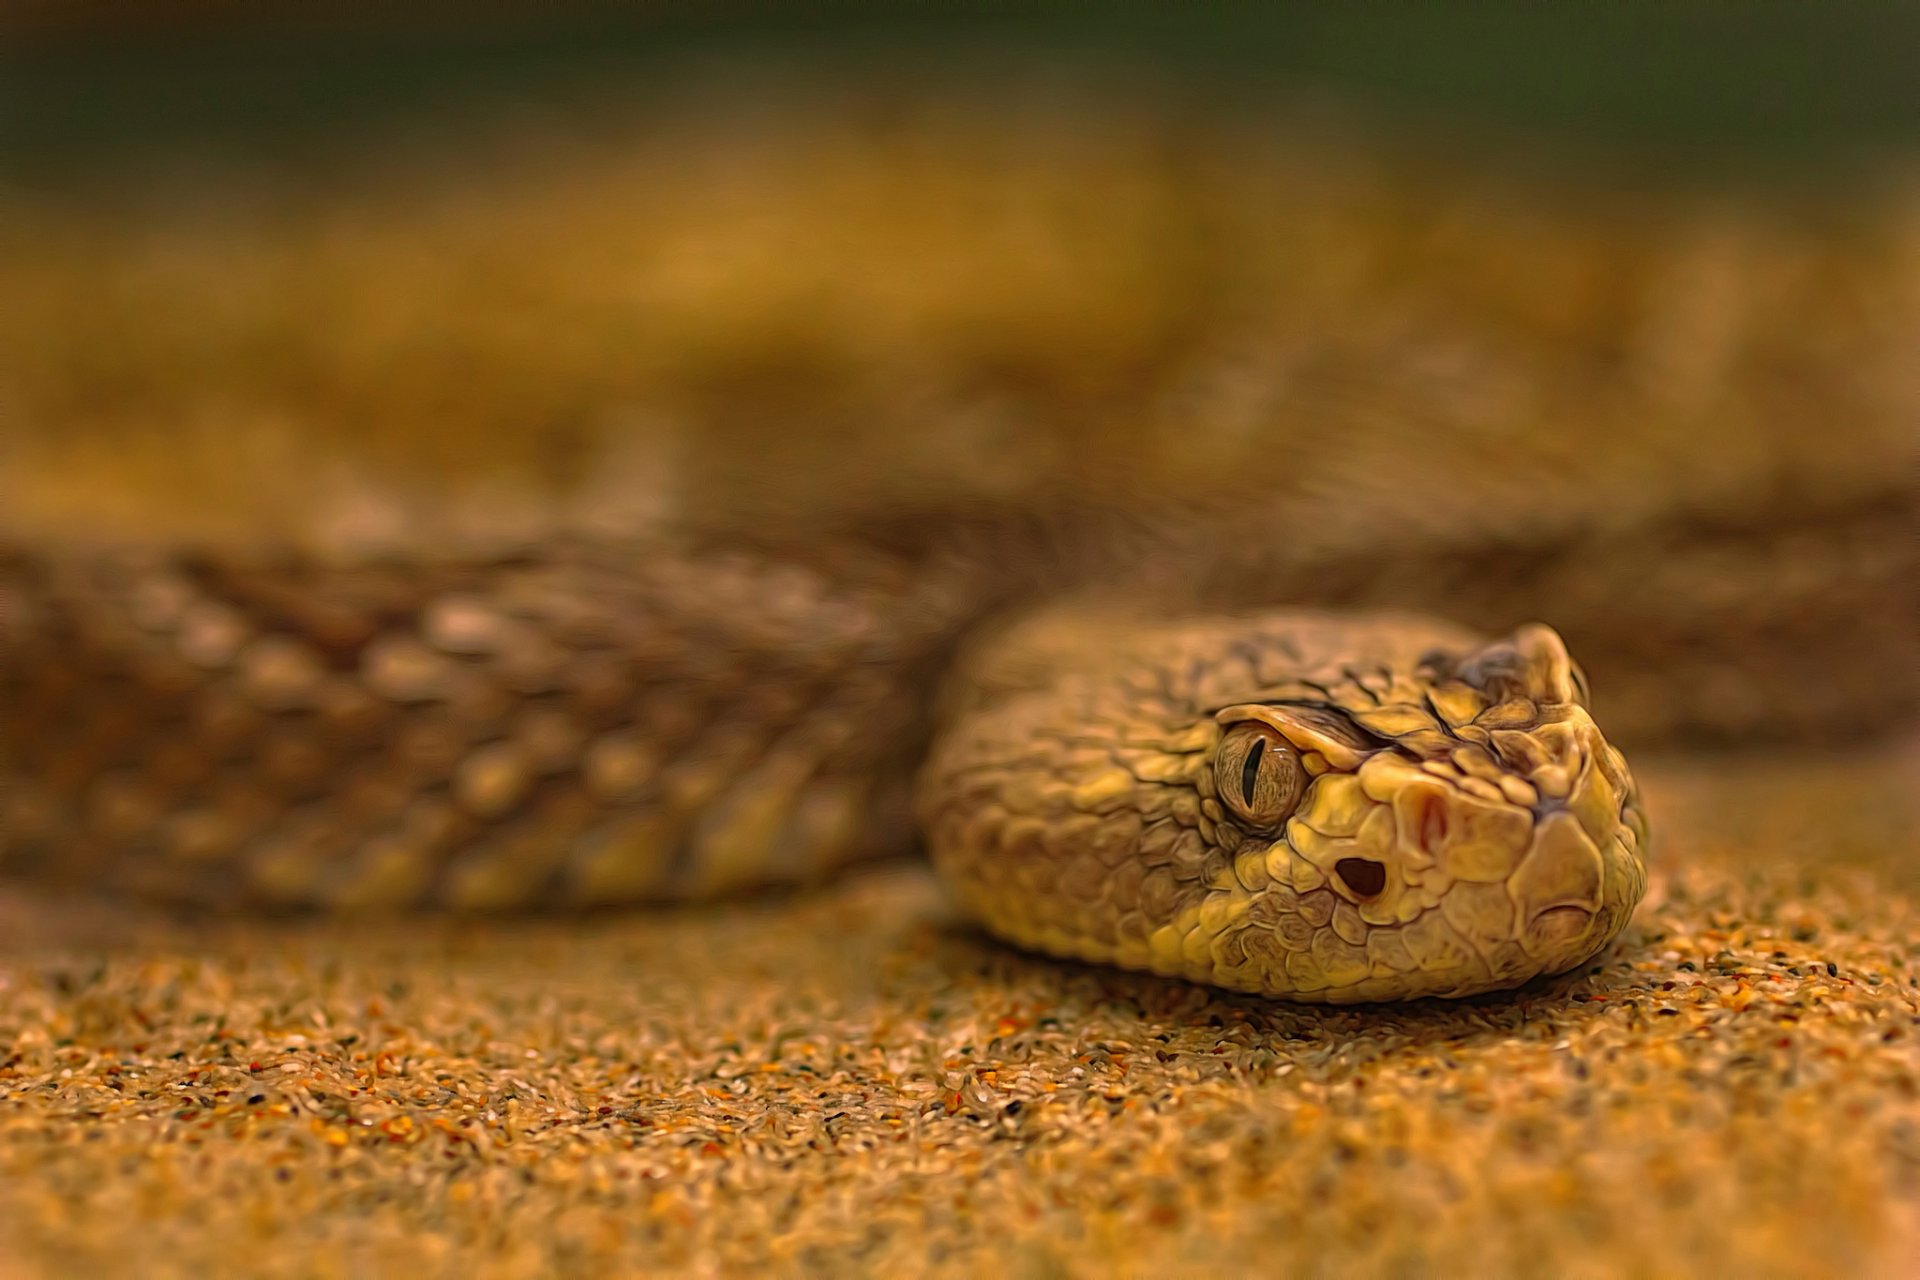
[1322, 807]
[1451, 826]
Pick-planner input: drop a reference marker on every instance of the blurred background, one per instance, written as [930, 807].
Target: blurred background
[267, 266]
[1543, 275]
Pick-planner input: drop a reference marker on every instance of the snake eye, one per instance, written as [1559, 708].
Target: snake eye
[1258, 774]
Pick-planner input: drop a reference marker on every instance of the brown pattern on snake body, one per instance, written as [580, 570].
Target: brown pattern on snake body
[575, 726]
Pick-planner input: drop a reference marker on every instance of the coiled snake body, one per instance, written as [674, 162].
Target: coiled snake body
[1122, 746]
[1314, 806]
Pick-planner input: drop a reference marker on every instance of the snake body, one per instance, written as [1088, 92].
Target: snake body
[1328, 806]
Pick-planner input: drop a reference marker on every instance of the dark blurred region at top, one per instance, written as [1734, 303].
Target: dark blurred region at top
[1772, 84]
[278, 265]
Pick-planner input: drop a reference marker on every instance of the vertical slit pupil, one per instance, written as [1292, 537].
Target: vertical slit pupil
[1250, 771]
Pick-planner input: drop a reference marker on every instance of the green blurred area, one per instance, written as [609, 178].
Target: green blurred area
[1758, 84]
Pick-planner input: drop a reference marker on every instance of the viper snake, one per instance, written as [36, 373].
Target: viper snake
[1333, 803]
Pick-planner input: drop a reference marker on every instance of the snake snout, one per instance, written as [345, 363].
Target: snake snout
[1444, 827]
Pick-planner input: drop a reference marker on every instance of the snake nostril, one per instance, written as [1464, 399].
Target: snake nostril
[1362, 875]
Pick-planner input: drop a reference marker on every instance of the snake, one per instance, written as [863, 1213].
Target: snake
[1312, 806]
[1336, 802]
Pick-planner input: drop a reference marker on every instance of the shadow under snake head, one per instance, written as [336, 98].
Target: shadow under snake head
[1311, 806]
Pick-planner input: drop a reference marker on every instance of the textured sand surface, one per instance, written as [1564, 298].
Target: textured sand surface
[853, 1081]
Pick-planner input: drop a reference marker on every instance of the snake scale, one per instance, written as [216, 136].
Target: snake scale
[1193, 755]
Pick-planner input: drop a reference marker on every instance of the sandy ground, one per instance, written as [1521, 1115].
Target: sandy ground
[854, 1081]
